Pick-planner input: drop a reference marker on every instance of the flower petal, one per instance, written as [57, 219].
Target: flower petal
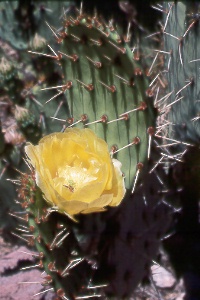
[118, 188]
[75, 172]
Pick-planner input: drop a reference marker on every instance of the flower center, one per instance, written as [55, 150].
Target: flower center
[75, 177]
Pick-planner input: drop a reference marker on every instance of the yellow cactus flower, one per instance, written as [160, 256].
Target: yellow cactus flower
[75, 172]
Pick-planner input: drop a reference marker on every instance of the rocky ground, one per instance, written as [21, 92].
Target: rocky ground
[18, 284]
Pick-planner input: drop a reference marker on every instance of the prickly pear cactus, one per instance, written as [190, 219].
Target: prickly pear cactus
[179, 130]
[105, 88]
[22, 116]
[104, 255]
[21, 20]
[181, 43]
[179, 108]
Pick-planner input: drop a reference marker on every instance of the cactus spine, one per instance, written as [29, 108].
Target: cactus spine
[103, 87]
[179, 132]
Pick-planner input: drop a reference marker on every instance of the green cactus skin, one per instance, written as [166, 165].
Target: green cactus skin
[22, 27]
[102, 83]
[108, 250]
[20, 20]
[20, 78]
[181, 41]
[181, 109]
[113, 250]
[10, 159]
[52, 235]
[181, 29]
